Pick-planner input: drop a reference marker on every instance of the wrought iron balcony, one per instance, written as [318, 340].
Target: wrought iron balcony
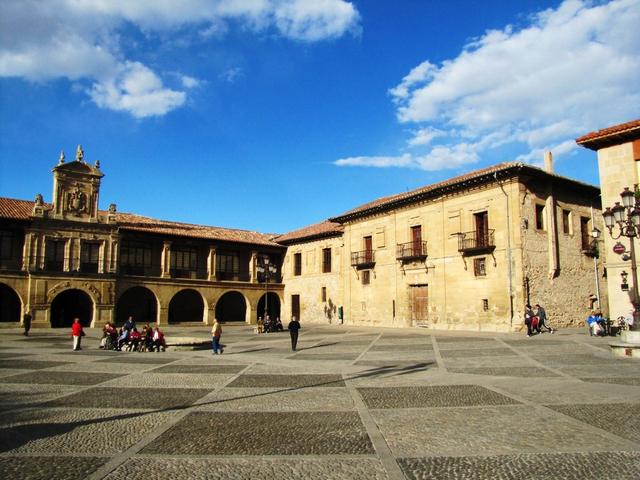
[470, 243]
[363, 259]
[411, 251]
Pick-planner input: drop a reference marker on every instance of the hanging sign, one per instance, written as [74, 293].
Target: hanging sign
[619, 248]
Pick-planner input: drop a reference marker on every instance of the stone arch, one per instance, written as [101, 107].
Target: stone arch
[187, 305]
[273, 304]
[70, 304]
[139, 302]
[232, 307]
[10, 304]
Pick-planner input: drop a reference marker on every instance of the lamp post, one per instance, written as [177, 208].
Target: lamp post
[267, 269]
[626, 218]
[595, 234]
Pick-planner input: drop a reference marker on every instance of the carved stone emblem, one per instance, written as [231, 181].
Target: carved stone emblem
[77, 200]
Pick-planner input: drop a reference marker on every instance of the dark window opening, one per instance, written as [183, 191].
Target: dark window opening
[480, 267]
[366, 277]
[540, 217]
[89, 257]
[326, 260]
[297, 264]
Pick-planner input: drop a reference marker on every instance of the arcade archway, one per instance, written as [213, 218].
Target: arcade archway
[10, 305]
[231, 307]
[71, 304]
[269, 303]
[186, 306]
[138, 302]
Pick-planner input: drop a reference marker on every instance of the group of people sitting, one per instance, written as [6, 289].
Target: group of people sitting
[130, 339]
[267, 325]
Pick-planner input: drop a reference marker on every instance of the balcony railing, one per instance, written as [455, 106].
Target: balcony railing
[363, 259]
[411, 251]
[476, 242]
[11, 263]
[187, 273]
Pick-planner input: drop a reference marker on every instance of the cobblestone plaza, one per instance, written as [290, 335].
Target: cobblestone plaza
[351, 403]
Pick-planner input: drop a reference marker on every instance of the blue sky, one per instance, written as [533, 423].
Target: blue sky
[270, 115]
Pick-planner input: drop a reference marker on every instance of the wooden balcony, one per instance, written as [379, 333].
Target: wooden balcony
[411, 251]
[470, 243]
[363, 259]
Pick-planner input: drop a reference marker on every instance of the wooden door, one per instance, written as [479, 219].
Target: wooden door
[295, 306]
[482, 229]
[419, 303]
[368, 249]
[416, 240]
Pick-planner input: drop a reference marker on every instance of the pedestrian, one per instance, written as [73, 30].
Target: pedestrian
[129, 324]
[26, 322]
[528, 319]
[542, 317]
[294, 326]
[216, 333]
[77, 332]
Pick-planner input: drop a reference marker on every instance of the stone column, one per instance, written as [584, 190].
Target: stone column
[165, 260]
[68, 252]
[26, 252]
[163, 316]
[211, 265]
[253, 263]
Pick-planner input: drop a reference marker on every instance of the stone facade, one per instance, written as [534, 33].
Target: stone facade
[68, 259]
[466, 254]
[618, 150]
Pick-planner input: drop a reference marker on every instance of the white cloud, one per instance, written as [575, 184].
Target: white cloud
[402, 161]
[573, 69]
[231, 74]
[136, 90]
[82, 40]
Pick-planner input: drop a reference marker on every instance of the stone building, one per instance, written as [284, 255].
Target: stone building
[618, 149]
[467, 253]
[69, 259]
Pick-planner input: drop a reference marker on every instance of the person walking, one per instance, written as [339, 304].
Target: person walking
[542, 317]
[528, 319]
[77, 332]
[216, 333]
[26, 322]
[293, 328]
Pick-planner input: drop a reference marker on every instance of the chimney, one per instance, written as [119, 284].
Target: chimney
[548, 162]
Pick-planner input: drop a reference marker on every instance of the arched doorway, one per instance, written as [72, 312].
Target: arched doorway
[138, 302]
[186, 306]
[69, 305]
[231, 307]
[272, 303]
[10, 305]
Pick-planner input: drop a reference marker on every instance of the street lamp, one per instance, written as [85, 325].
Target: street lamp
[627, 218]
[267, 269]
[595, 234]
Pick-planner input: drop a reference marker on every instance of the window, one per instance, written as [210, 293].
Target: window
[295, 306]
[227, 265]
[297, 264]
[485, 304]
[55, 255]
[89, 257]
[366, 277]
[323, 294]
[135, 257]
[10, 251]
[540, 217]
[585, 233]
[566, 222]
[326, 260]
[480, 267]
[184, 260]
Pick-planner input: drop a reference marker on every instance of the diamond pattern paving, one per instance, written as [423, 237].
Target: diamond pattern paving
[157, 398]
[568, 466]
[265, 433]
[212, 369]
[435, 396]
[60, 378]
[49, 468]
[287, 381]
[622, 419]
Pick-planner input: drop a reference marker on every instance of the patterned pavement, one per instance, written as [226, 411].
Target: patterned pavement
[351, 403]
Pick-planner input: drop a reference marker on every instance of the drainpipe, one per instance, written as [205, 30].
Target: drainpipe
[552, 236]
[506, 198]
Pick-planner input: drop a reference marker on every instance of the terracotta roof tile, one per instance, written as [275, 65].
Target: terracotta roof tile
[611, 135]
[21, 210]
[434, 189]
[317, 230]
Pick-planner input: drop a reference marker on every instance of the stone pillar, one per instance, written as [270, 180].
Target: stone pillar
[253, 264]
[165, 260]
[103, 256]
[211, 265]
[113, 256]
[163, 316]
[68, 252]
[26, 252]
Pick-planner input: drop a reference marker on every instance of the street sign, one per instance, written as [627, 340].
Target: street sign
[619, 248]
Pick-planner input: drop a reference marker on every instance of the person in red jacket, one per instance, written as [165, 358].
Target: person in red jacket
[76, 332]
